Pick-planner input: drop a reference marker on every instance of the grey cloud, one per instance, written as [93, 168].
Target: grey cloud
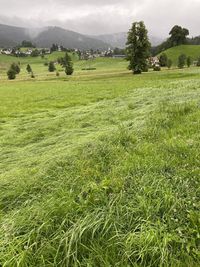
[103, 16]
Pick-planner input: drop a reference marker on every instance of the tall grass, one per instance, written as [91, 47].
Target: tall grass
[127, 200]
[110, 178]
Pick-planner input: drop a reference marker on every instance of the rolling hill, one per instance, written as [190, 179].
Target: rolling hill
[44, 37]
[189, 50]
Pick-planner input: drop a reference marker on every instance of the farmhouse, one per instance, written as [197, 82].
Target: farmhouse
[154, 61]
[6, 51]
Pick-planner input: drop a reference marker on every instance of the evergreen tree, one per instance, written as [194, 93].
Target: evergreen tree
[15, 67]
[67, 64]
[189, 61]
[28, 68]
[138, 48]
[51, 66]
[11, 74]
[181, 61]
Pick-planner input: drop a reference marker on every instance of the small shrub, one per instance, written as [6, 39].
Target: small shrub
[157, 68]
[181, 61]
[163, 60]
[28, 68]
[145, 69]
[69, 70]
[15, 67]
[169, 63]
[57, 74]
[198, 62]
[51, 66]
[189, 61]
[11, 74]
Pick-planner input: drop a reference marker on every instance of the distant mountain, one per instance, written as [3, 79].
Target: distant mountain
[12, 36]
[119, 39]
[45, 37]
[68, 39]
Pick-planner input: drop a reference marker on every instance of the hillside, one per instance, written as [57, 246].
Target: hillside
[44, 37]
[189, 50]
[12, 36]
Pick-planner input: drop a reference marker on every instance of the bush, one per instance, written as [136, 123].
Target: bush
[57, 74]
[145, 68]
[11, 74]
[181, 61]
[28, 68]
[198, 62]
[157, 68]
[163, 60]
[69, 70]
[189, 61]
[51, 66]
[15, 67]
[169, 63]
[46, 63]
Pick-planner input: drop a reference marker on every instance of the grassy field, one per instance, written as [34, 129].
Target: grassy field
[100, 169]
[189, 50]
[102, 66]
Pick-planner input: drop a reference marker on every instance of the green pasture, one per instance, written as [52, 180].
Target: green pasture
[189, 50]
[101, 65]
[100, 169]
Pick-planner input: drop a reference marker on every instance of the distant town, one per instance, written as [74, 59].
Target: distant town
[26, 48]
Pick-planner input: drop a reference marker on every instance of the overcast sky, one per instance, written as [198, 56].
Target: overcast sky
[103, 16]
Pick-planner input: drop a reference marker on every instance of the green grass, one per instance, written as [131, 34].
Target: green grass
[102, 66]
[189, 50]
[37, 62]
[100, 169]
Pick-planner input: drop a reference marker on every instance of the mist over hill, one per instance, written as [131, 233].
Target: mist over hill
[119, 39]
[11, 36]
[44, 37]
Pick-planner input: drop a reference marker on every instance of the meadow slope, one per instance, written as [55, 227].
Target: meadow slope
[101, 170]
[189, 50]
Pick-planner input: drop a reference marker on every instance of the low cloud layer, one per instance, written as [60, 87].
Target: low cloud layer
[103, 16]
